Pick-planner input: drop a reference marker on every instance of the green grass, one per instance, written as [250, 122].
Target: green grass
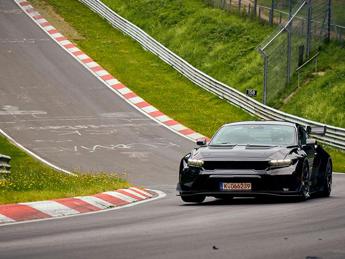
[224, 46]
[221, 45]
[338, 158]
[30, 180]
[321, 95]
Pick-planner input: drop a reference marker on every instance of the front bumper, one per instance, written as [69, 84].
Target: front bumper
[278, 182]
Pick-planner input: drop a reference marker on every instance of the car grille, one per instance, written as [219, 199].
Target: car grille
[256, 165]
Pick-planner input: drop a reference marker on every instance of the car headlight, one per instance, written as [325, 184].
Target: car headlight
[195, 162]
[280, 163]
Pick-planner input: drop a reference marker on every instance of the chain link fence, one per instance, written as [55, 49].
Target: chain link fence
[277, 12]
[295, 44]
[304, 25]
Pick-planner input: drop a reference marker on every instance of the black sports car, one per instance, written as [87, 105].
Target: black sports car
[255, 159]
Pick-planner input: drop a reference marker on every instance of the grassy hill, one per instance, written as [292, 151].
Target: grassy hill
[223, 46]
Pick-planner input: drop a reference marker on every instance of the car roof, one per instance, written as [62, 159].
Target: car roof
[285, 123]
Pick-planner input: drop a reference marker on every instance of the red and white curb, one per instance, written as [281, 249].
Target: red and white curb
[103, 75]
[66, 207]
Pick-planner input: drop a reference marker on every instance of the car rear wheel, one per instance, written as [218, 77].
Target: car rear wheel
[305, 183]
[327, 188]
[194, 198]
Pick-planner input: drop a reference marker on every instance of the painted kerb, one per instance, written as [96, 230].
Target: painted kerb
[335, 136]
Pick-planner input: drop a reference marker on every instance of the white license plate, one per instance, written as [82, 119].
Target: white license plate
[236, 186]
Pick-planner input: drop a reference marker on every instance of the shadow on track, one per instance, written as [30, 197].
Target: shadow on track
[254, 201]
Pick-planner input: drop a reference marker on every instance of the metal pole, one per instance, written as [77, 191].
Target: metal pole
[264, 96]
[288, 67]
[309, 21]
[329, 20]
[265, 80]
[271, 12]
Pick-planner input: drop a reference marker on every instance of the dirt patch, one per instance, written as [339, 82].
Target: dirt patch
[56, 20]
[320, 73]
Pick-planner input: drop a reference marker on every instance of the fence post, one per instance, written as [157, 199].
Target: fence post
[265, 79]
[329, 20]
[288, 67]
[264, 55]
[255, 6]
[239, 6]
[309, 20]
[271, 13]
[259, 13]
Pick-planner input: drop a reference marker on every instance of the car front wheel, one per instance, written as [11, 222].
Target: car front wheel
[305, 183]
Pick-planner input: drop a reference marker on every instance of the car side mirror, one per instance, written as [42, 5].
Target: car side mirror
[201, 142]
[321, 131]
[311, 142]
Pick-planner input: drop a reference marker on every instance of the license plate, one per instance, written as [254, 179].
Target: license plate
[236, 186]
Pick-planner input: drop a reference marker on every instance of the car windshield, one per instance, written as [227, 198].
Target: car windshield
[255, 134]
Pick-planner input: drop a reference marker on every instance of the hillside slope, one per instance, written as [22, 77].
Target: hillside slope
[223, 45]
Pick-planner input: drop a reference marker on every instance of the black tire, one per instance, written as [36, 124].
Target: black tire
[194, 198]
[327, 187]
[305, 182]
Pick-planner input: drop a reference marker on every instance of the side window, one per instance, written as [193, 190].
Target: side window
[302, 136]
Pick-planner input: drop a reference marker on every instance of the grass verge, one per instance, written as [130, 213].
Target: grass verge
[30, 180]
[157, 82]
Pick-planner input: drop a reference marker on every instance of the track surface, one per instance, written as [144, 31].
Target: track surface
[53, 106]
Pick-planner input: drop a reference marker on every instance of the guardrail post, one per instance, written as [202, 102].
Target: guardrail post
[5, 167]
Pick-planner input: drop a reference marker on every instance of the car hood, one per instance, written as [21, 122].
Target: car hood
[241, 153]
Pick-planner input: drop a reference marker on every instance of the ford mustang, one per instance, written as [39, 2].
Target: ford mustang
[256, 158]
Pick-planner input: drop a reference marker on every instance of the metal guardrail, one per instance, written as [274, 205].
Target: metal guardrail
[335, 136]
[5, 167]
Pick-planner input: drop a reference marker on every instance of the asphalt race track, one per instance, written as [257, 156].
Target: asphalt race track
[52, 105]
